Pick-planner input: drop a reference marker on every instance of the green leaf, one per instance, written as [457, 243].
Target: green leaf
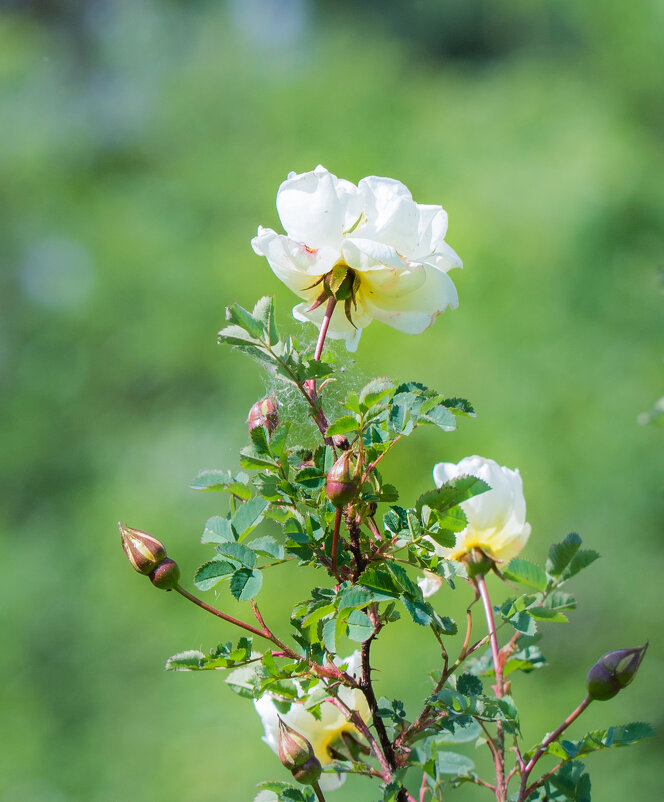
[237, 336]
[375, 391]
[441, 417]
[264, 312]
[348, 423]
[191, 660]
[222, 480]
[452, 493]
[246, 583]
[360, 627]
[469, 685]
[354, 597]
[523, 622]
[566, 559]
[245, 320]
[459, 406]
[238, 553]
[267, 546]
[249, 515]
[217, 530]
[212, 572]
[526, 573]
[453, 763]
[250, 457]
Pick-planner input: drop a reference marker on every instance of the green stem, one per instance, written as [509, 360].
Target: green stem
[318, 792]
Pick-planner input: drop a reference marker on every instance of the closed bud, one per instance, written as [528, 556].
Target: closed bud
[143, 551]
[340, 282]
[342, 483]
[613, 672]
[297, 755]
[294, 749]
[264, 413]
[166, 575]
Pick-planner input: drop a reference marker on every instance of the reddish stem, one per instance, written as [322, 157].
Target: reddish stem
[324, 327]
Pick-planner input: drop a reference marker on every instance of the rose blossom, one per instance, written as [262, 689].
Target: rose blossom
[392, 248]
[497, 518]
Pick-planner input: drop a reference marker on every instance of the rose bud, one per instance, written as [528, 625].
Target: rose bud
[297, 755]
[613, 672]
[166, 575]
[342, 483]
[143, 551]
[264, 413]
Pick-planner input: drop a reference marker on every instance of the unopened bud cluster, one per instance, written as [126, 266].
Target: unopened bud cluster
[147, 555]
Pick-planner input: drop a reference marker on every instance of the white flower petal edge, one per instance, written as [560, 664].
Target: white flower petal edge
[429, 584]
[319, 733]
[496, 519]
[394, 246]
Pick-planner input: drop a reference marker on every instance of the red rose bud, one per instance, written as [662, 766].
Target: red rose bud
[264, 413]
[342, 483]
[613, 672]
[297, 755]
[166, 575]
[143, 551]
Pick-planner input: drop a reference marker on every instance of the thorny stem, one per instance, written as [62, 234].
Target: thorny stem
[354, 717]
[524, 792]
[335, 541]
[499, 751]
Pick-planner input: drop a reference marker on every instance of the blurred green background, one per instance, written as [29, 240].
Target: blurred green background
[141, 143]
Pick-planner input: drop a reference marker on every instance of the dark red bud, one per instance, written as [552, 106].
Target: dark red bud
[166, 575]
[143, 551]
[342, 483]
[264, 413]
[613, 672]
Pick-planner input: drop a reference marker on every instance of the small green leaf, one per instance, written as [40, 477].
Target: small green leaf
[348, 423]
[526, 573]
[212, 572]
[222, 480]
[217, 530]
[360, 627]
[264, 312]
[267, 546]
[245, 320]
[249, 515]
[238, 553]
[246, 583]
[452, 493]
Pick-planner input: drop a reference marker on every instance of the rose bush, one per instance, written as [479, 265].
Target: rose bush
[390, 250]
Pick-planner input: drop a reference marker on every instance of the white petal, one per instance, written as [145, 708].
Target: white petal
[292, 262]
[431, 230]
[392, 216]
[429, 584]
[366, 254]
[408, 300]
[444, 258]
[316, 208]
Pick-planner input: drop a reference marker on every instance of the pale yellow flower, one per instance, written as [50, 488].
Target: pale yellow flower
[394, 247]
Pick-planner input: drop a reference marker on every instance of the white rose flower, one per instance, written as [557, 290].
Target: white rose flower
[496, 519]
[320, 733]
[393, 248]
[429, 583]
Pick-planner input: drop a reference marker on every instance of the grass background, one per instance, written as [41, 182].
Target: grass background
[142, 143]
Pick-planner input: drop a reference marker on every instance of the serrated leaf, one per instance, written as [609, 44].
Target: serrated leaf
[375, 391]
[249, 515]
[212, 572]
[264, 312]
[469, 685]
[360, 627]
[238, 336]
[245, 583]
[526, 573]
[561, 554]
[441, 417]
[217, 530]
[267, 546]
[191, 660]
[245, 320]
[238, 553]
[452, 493]
[224, 481]
[348, 423]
